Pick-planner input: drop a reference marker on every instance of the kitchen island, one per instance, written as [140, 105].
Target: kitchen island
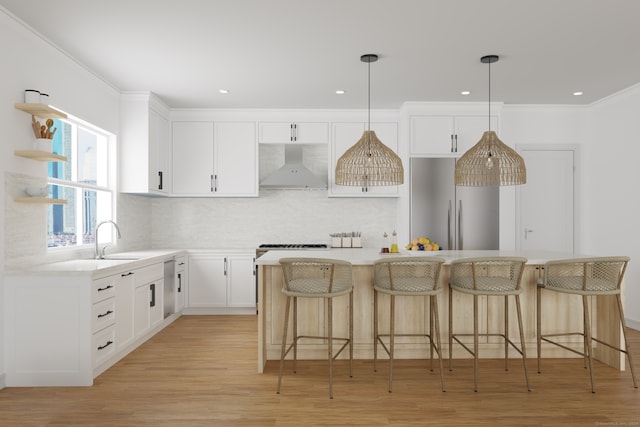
[560, 312]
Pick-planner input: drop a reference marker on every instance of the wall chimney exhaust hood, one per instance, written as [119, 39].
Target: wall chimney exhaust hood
[294, 175]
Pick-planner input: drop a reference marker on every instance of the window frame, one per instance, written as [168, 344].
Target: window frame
[80, 187]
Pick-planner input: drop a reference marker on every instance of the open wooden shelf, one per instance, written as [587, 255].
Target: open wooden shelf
[41, 110]
[43, 156]
[40, 200]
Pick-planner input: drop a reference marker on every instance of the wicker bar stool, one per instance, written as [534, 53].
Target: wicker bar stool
[489, 276]
[316, 278]
[407, 276]
[585, 277]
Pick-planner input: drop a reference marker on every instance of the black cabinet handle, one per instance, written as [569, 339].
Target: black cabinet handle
[160, 176]
[126, 274]
[179, 282]
[153, 295]
[105, 314]
[102, 347]
[105, 288]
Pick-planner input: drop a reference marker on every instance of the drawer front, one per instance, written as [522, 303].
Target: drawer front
[103, 288]
[104, 345]
[103, 314]
[148, 274]
[181, 263]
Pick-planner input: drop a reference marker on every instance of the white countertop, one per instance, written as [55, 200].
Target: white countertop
[103, 267]
[363, 256]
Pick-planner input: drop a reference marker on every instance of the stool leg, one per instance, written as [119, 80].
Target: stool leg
[539, 324]
[450, 327]
[436, 322]
[506, 333]
[522, 344]
[330, 346]
[375, 331]
[295, 333]
[587, 338]
[626, 343]
[351, 334]
[431, 333]
[284, 341]
[392, 325]
[475, 343]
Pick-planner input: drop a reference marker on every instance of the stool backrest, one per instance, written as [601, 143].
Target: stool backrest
[490, 274]
[316, 275]
[408, 274]
[591, 275]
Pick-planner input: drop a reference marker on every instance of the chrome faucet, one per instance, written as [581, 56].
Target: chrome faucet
[100, 252]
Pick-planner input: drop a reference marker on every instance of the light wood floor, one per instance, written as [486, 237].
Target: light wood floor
[202, 371]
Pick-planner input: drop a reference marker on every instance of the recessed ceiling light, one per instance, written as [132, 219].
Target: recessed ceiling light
[340, 92]
[577, 93]
[465, 92]
[223, 91]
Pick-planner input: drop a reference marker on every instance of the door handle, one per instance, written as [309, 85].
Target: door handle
[160, 183]
[460, 242]
[449, 239]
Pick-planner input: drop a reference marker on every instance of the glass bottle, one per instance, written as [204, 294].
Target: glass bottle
[394, 242]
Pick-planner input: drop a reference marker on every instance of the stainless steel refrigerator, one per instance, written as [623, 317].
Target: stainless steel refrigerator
[454, 217]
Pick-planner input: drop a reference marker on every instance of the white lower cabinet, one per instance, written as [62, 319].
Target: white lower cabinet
[64, 330]
[221, 282]
[179, 283]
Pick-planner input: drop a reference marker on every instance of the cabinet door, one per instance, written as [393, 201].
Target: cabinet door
[275, 133]
[156, 302]
[346, 135]
[432, 135]
[124, 309]
[298, 132]
[180, 283]
[192, 148]
[242, 281]
[236, 160]
[469, 130]
[141, 310]
[159, 152]
[207, 281]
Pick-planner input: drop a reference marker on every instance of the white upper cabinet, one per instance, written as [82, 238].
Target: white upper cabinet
[300, 133]
[144, 148]
[214, 159]
[446, 136]
[346, 135]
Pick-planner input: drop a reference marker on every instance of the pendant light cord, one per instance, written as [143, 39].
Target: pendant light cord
[369, 96]
[489, 95]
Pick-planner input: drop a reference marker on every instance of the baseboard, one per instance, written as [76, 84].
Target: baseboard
[633, 324]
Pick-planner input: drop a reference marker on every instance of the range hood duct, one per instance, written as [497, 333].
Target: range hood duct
[294, 175]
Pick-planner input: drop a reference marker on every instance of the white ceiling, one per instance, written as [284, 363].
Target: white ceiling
[297, 53]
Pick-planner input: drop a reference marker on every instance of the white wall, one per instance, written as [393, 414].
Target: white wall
[611, 199]
[28, 62]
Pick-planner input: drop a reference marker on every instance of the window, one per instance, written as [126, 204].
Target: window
[85, 181]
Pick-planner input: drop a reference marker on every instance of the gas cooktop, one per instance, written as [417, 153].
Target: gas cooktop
[293, 246]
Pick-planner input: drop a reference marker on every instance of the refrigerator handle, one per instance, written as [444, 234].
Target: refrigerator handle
[449, 238]
[460, 243]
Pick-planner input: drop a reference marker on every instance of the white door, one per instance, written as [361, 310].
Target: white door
[235, 159]
[545, 204]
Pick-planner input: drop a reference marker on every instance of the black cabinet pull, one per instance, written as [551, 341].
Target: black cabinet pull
[179, 282]
[102, 347]
[105, 314]
[160, 184]
[126, 274]
[152, 303]
[105, 288]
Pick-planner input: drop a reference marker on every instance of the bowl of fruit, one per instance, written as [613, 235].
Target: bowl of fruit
[422, 244]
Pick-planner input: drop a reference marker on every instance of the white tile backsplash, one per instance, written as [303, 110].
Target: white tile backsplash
[277, 216]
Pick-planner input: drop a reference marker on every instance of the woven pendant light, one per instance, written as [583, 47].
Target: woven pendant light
[490, 162]
[369, 162]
